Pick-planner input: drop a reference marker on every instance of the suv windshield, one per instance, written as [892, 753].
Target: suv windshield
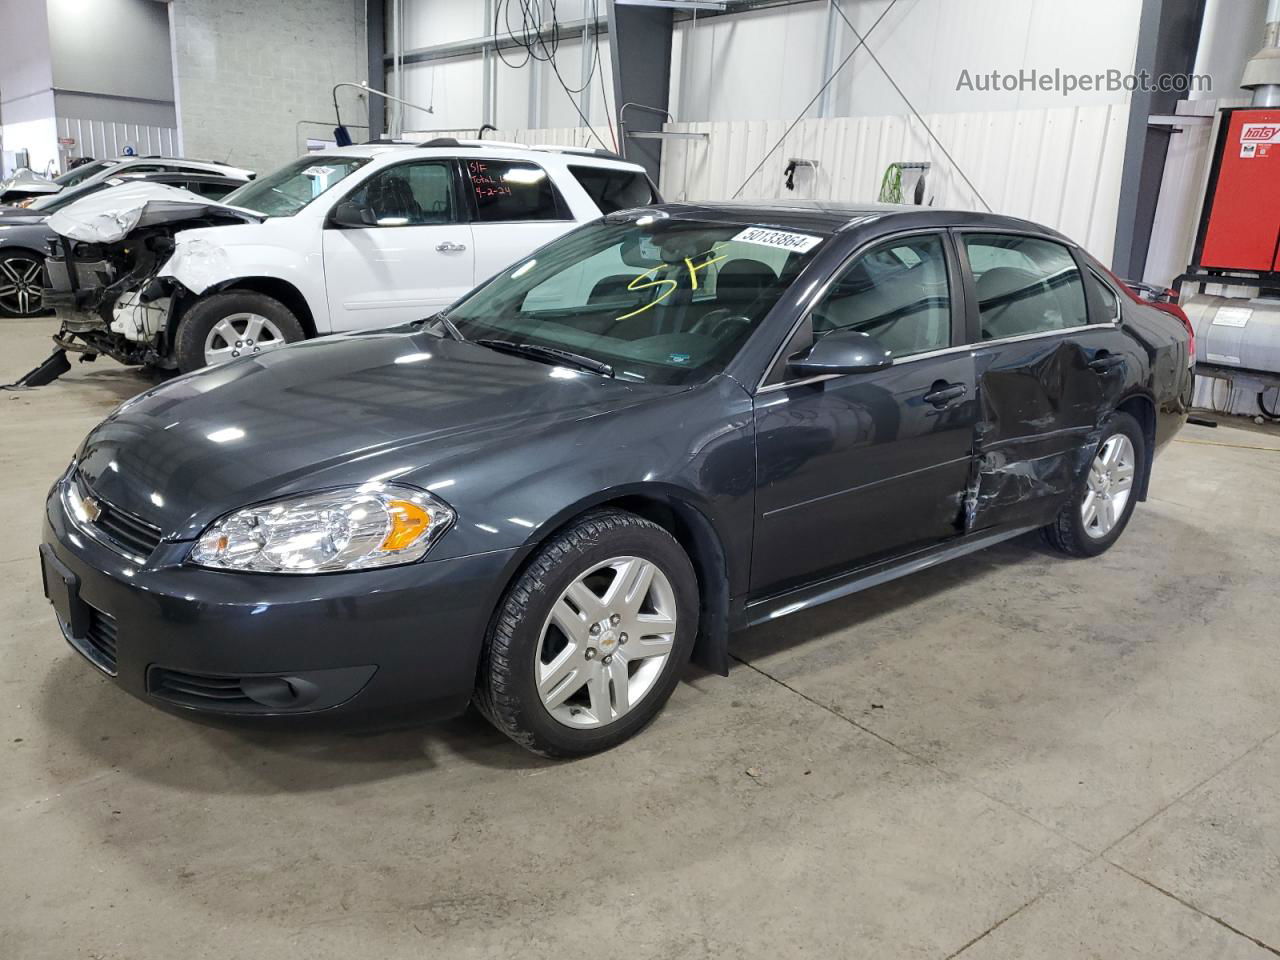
[289, 189]
[660, 300]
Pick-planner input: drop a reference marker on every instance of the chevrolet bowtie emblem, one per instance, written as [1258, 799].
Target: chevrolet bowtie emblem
[92, 509]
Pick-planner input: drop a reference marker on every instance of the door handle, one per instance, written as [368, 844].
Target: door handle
[448, 246]
[942, 393]
[1104, 362]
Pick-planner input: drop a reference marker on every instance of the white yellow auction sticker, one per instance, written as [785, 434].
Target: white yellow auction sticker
[778, 239]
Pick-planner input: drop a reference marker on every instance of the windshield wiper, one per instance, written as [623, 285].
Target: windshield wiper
[555, 354]
[444, 321]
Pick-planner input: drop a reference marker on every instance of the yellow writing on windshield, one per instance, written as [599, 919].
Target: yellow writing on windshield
[642, 282]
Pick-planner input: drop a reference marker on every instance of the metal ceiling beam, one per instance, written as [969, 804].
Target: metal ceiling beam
[477, 45]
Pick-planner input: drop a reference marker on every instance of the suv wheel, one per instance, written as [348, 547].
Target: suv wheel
[238, 323]
[588, 643]
[1096, 516]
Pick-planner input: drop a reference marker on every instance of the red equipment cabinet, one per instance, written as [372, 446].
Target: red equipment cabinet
[1240, 224]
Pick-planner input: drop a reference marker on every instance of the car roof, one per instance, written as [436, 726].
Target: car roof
[209, 166]
[498, 149]
[823, 216]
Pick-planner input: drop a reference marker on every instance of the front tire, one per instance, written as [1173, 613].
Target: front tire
[21, 284]
[589, 642]
[1093, 519]
[237, 323]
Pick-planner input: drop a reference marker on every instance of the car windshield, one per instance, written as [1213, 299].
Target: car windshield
[289, 189]
[657, 299]
[84, 172]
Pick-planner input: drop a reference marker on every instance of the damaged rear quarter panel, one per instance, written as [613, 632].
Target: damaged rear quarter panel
[1042, 411]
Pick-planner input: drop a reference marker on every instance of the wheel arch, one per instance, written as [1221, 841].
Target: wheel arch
[677, 513]
[1142, 408]
[274, 287]
[6, 249]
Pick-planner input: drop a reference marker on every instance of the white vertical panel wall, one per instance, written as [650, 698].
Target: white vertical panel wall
[101, 138]
[1060, 167]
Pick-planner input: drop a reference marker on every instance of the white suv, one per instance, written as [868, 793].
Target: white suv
[355, 237]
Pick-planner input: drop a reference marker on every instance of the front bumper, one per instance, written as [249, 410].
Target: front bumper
[398, 641]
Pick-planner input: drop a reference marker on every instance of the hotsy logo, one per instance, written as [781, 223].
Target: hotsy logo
[1260, 133]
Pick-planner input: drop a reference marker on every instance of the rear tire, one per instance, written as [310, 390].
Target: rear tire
[196, 343]
[589, 685]
[1095, 516]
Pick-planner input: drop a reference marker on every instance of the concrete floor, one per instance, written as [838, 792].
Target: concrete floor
[1017, 755]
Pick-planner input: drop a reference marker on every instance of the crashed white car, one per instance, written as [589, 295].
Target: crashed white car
[356, 237]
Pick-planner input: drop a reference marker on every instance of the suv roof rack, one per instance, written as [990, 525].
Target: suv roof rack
[509, 145]
[579, 151]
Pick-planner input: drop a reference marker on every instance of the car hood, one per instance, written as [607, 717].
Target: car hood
[28, 181]
[108, 216]
[324, 413]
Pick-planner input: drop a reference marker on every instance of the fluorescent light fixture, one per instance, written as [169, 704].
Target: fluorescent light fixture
[225, 435]
[524, 175]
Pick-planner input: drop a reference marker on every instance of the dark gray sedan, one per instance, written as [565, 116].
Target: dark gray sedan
[670, 424]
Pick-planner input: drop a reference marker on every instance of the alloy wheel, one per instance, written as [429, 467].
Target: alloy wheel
[606, 642]
[241, 335]
[21, 286]
[1108, 486]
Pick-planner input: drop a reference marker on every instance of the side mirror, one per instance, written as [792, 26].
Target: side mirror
[350, 214]
[842, 351]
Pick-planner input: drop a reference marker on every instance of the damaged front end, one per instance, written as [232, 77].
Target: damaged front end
[105, 276]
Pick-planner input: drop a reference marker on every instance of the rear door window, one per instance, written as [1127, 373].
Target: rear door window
[612, 190]
[506, 191]
[1024, 285]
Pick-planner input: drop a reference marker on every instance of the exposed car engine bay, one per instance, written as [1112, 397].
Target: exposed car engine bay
[106, 277]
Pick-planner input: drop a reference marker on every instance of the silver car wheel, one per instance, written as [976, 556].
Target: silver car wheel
[241, 335]
[606, 642]
[1108, 486]
[21, 286]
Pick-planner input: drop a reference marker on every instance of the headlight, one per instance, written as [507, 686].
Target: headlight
[350, 529]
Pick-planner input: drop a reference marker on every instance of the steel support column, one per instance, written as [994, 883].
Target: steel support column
[640, 51]
[1168, 35]
[376, 39]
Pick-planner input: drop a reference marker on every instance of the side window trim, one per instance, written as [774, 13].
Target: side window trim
[958, 296]
[1098, 314]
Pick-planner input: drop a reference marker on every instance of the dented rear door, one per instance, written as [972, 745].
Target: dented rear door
[1049, 370]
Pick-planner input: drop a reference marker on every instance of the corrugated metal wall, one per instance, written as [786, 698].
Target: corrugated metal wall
[1059, 167]
[99, 138]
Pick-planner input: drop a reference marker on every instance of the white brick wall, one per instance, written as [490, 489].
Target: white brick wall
[248, 71]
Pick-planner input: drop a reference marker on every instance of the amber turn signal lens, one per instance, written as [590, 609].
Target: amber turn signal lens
[408, 522]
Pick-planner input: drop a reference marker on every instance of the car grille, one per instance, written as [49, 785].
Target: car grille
[123, 530]
[197, 690]
[99, 642]
[128, 531]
